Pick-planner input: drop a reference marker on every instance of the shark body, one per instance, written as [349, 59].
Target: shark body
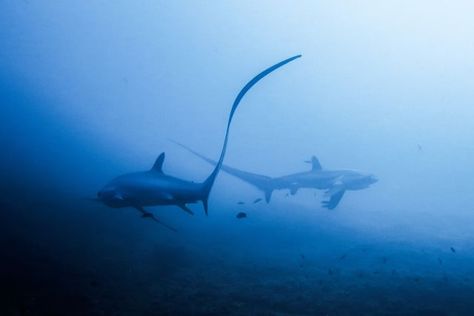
[334, 182]
[154, 187]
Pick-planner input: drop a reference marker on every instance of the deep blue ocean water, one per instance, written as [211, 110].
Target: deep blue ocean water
[90, 91]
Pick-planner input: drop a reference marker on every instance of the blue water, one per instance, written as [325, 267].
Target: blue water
[90, 91]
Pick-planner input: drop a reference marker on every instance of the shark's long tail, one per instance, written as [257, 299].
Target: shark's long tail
[207, 185]
[261, 182]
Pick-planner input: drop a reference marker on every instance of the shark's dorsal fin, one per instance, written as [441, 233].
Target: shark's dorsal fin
[316, 166]
[158, 166]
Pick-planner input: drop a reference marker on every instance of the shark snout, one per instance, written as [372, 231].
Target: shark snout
[111, 197]
[372, 179]
[103, 197]
[105, 194]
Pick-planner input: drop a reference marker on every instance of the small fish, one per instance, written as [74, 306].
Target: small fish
[384, 260]
[241, 203]
[420, 148]
[257, 200]
[453, 250]
[341, 258]
[302, 256]
[440, 261]
[241, 215]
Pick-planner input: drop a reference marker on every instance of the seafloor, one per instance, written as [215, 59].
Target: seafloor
[72, 257]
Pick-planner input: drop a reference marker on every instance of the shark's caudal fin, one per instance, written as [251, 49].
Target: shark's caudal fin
[262, 182]
[207, 185]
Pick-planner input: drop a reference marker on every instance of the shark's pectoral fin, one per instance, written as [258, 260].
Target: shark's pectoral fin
[185, 208]
[146, 214]
[335, 188]
[336, 193]
[268, 195]
[293, 189]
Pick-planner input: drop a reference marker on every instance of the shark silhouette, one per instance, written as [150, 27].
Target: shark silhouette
[154, 187]
[335, 182]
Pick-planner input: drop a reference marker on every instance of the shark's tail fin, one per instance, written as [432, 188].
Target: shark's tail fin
[207, 185]
[262, 182]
